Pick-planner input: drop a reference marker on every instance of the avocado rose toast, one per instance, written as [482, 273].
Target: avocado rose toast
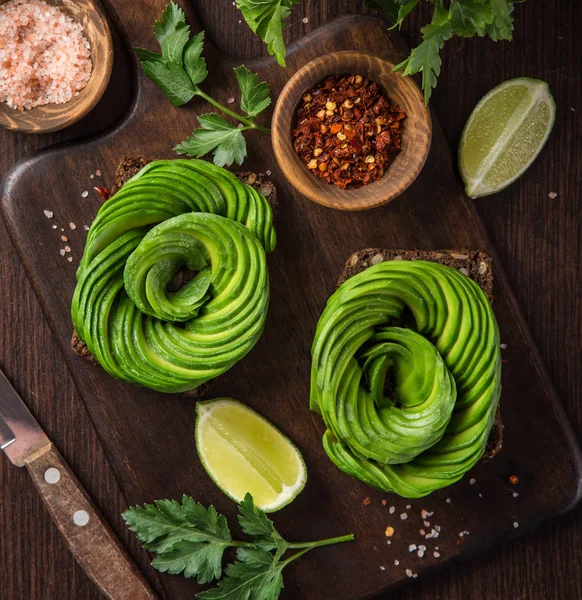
[171, 216]
[406, 369]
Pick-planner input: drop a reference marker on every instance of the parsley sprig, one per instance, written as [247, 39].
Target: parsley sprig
[180, 68]
[190, 539]
[464, 18]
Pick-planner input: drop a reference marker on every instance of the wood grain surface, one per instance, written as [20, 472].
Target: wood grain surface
[88, 535]
[538, 243]
[416, 136]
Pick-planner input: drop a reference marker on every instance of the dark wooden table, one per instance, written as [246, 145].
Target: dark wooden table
[537, 237]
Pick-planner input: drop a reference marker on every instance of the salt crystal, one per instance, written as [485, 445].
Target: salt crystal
[396, 562]
[230, 101]
[503, 346]
[86, 227]
[420, 553]
[448, 500]
[62, 251]
[268, 173]
[472, 481]
[91, 176]
[404, 516]
[48, 214]
[515, 494]
[408, 507]
[436, 554]
[45, 55]
[392, 510]
[409, 572]
[72, 226]
[382, 568]
[98, 173]
[515, 524]
[54, 226]
[84, 194]
[552, 195]
[426, 523]
[305, 20]
[70, 259]
[412, 548]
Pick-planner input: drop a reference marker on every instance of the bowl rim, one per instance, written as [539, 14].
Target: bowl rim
[67, 119]
[282, 145]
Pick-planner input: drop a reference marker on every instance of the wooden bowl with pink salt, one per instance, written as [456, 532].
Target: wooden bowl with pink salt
[56, 58]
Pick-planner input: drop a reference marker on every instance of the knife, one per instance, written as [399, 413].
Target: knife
[91, 540]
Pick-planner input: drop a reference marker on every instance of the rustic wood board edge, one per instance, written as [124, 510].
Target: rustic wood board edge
[36, 162]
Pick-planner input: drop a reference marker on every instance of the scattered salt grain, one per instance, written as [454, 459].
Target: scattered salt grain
[382, 568]
[426, 523]
[396, 563]
[503, 346]
[62, 251]
[72, 226]
[392, 510]
[448, 500]
[48, 214]
[436, 554]
[552, 195]
[389, 542]
[463, 533]
[230, 101]
[515, 494]
[515, 524]
[67, 248]
[91, 176]
[70, 259]
[480, 495]
[425, 514]
[305, 20]
[408, 507]
[404, 516]
[44, 55]
[414, 575]
[412, 547]
[422, 532]
[84, 194]
[472, 481]
[54, 226]
[86, 227]
[98, 173]
[268, 173]
[420, 553]
[409, 572]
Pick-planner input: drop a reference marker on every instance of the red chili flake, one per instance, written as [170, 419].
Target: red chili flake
[102, 191]
[346, 131]
[513, 479]
[367, 501]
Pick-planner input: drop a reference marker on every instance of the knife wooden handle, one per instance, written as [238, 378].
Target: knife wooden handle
[91, 540]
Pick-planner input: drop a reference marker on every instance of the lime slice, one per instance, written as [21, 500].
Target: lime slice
[243, 452]
[504, 134]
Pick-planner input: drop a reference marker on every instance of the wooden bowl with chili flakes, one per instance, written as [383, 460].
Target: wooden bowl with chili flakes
[412, 133]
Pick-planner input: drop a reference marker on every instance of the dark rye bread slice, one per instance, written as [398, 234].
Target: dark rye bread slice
[127, 168]
[475, 264]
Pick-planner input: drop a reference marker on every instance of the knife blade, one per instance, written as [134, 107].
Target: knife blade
[91, 540]
[20, 434]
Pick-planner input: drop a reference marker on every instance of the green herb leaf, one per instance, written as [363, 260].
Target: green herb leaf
[395, 10]
[172, 32]
[254, 521]
[144, 54]
[426, 58]
[194, 64]
[469, 18]
[200, 560]
[163, 525]
[255, 95]
[265, 18]
[172, 79]
[216, 135]
[255, 577]
[502, 26]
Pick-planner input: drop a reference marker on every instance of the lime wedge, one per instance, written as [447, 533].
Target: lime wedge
[243, 452]
[504, 134]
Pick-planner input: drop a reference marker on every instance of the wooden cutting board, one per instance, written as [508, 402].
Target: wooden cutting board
[149, 436]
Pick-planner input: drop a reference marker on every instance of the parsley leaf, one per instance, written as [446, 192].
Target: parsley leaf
[265, 18]
[255, 577]
[172, 80]
[502, 26]
[190, 540]
[163, 524]
[255, 96]
[194, 64]
[172, 33]
[469, 18]
[216, 135]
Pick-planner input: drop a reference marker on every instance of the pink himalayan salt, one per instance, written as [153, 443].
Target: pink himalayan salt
[44, 56]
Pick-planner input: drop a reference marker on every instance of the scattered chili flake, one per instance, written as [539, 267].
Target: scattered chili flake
[367, 501]
[102, 191]
[389, 531]
[513, 479]
[346, 131]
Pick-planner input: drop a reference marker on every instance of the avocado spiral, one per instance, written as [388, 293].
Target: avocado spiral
[171, 215]
[407, 410]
